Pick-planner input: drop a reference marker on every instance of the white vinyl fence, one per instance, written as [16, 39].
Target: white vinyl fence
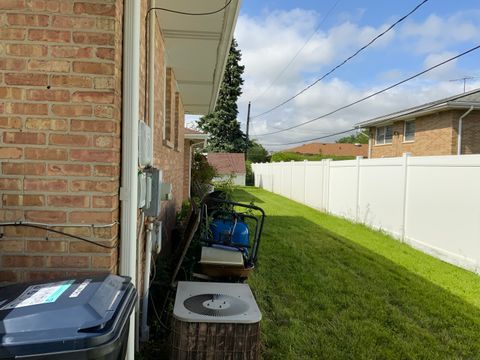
[431, 203]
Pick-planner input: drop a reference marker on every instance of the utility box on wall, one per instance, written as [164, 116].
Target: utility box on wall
[154, 177]
[145, 145]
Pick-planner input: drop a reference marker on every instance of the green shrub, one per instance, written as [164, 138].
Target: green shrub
[288, 156]
[249, 178]
[202, 175]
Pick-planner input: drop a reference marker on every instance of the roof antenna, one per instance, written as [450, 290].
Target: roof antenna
[464, 79]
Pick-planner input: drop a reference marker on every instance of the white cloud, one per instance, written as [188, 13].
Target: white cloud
[436, 33]
[447, 71]
[268, 44]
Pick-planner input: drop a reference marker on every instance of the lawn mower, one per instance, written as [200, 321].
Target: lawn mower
[231, 238]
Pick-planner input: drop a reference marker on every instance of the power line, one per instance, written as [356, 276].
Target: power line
[375, 93]
[317, 138]
[190, 13]
[343, 62]
[306, 131]
[414, 110]
[298, 52]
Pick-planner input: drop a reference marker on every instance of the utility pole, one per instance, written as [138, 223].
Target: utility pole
[248, 128]
[248, 120]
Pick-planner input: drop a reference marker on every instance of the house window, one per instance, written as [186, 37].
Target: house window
[177, 120]
[169, 108]
[384, 135]
[409, 131]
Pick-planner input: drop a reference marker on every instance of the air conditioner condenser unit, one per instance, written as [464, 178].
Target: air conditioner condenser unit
[215, 321]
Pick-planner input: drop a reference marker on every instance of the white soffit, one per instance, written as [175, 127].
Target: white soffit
[197, 48]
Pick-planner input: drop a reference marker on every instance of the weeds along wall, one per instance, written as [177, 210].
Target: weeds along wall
[431, 203]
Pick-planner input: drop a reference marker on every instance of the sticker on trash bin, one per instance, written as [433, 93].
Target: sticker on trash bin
[80, 288]
[39, 294]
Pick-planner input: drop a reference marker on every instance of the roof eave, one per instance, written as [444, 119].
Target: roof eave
[224, 50]
[414, 114]
[196, 136]
[197, 48]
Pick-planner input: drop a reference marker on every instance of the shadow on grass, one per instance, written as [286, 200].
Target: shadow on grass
[325, 297]
[241, 195]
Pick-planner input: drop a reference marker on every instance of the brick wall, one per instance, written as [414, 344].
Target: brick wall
[168, 153]
[435, 134]
[60, 111]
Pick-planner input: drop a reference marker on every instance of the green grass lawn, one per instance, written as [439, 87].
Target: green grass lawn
[331, 289]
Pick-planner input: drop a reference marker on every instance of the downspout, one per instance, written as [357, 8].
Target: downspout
[460, 126]
[144, 329]
[128, 189]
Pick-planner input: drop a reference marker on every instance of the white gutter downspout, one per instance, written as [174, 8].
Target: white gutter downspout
[460, 126]
[130, 115]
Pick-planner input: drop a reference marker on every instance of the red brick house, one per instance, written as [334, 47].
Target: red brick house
[332, 149]
[78, 82]
[229, 165]
[449, 126]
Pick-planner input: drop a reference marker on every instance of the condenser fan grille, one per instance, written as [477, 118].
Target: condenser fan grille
[215, 305]
[207, 302]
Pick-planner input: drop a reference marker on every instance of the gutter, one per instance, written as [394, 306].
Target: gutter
[129, 164]
[460, 126]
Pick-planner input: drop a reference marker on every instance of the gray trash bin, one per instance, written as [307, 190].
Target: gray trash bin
[83, 318]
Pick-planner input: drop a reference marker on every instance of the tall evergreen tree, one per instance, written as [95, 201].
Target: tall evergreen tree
[222, 124]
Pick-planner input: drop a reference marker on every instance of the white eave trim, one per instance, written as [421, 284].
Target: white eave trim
[414, 114]
[232, 13]
[196, 136]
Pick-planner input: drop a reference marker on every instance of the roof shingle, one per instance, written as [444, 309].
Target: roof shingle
[336, 149]
[227, 163]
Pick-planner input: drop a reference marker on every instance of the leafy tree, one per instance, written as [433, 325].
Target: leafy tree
[257, 153]
[359, 138]
[222, 124]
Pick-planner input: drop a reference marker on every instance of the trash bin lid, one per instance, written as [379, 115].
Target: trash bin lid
[63, 315]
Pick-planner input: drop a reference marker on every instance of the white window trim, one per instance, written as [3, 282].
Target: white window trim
[405, 131]
[384, 143]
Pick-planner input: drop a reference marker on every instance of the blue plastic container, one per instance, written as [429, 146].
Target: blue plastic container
[85, 318]
[229, 232]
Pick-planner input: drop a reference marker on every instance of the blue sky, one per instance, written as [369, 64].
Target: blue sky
[270, 32]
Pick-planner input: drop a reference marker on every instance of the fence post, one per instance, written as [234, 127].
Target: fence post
[404, 202]
[357, 198]
[291, 177]
[327, 184]
[305, 162]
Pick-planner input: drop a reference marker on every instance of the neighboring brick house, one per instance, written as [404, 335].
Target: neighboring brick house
[449, 126]
[333, 149]
[229, 165]
[76, 78]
